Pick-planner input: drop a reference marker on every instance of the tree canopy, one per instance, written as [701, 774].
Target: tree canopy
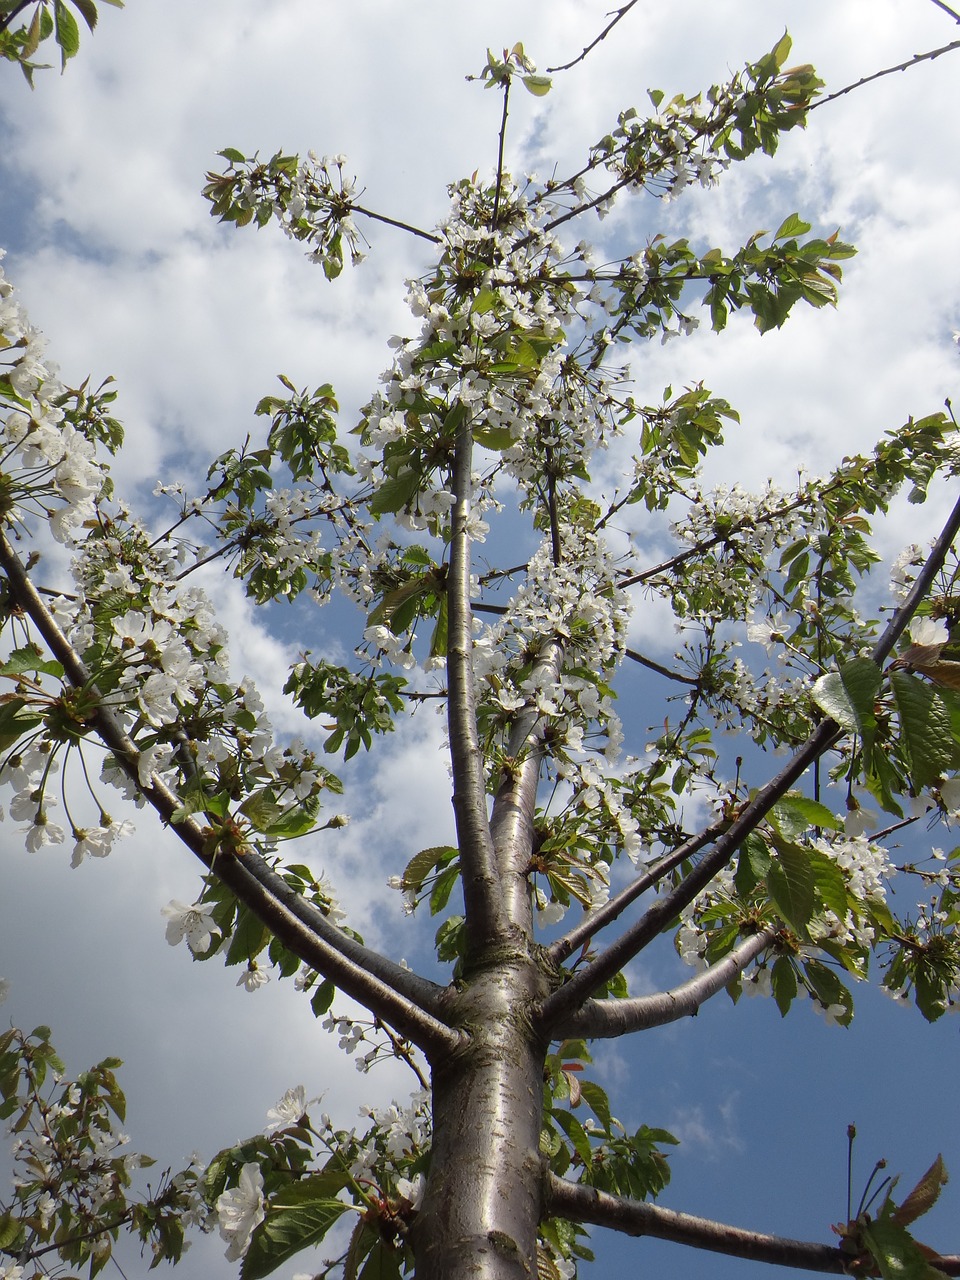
[682, 717]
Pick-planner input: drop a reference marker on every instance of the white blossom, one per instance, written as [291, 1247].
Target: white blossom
[288, 1111]
[193, 923]
[240, 1211]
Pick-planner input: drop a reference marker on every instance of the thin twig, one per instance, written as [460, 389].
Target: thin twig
[620, 13]
[655, 666]
[591, 924]
[395, 222]
[888, 71]
[500, 149]
[946, 9]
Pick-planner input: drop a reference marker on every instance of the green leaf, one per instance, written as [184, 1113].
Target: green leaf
[30, 658]
[395, 493]
[262, 809]
[575, 1132]
[68, 33]
[781, 50]
[791, 883]
[298, 1217]
[12, 725]
[11, 1232]
[795, 814]
[249, 938]
[596, 1099]
[440, 894]
[828, 989]
[752, 864]
[926, 729]
[383, 1263]
[848, 696]
[88, 10]
[831, 888]
[34, 35]
[784, 982]
[296, 821]
[791, 227]
[539, 86]
[322, 998]
[924, 1195]
[423, 863]
[896, 1254]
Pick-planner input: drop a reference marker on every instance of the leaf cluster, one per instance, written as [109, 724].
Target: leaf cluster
[49, 18]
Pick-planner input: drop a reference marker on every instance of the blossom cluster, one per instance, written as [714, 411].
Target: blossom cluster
[382, 1163]
[72, 1169]
[59, 475]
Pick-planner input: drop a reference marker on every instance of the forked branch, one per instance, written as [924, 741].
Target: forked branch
[404, 999]
[560, 1006]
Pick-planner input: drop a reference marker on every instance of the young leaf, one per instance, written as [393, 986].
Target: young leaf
[68, 33]
[539, 86]
[923, 1196]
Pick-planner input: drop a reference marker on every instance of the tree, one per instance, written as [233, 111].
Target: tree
[493, 412]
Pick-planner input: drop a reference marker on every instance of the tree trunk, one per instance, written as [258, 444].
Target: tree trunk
[482, 1206]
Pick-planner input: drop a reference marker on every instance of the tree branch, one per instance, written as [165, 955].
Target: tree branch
[482, 890]
[559, 1006]
[946, 9]
[396, 222]
[888, 71]
[406, 1000]
[511, 820]
[620, 13]
[607, 1019]
[591, 924]
[655, 666]
[494, 220]
[635, 1218]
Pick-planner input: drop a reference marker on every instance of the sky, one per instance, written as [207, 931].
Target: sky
[119, 262]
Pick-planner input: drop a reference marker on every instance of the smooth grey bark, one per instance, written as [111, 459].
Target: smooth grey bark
[483, 1202]
[483, 1206]
[514, 805]
[480, 874]
[607, 1019]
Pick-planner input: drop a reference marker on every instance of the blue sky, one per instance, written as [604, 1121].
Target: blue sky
[119, 263]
